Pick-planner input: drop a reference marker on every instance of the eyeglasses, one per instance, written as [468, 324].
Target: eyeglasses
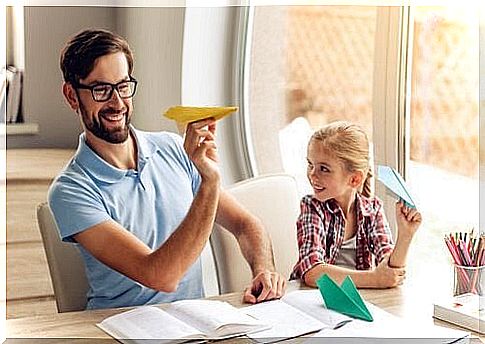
[103, 91]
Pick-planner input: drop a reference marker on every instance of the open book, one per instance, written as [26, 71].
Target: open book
[297, 313]
[181, 321]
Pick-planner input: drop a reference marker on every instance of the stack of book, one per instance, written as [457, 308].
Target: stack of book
[466, 310]
[11, 94]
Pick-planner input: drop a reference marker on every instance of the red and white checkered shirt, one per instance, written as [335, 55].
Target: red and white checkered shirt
[321, 227]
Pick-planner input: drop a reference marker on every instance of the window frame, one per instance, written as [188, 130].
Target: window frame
[391, 93]
[391, 89]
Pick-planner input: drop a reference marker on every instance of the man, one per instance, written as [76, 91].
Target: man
[142, 205]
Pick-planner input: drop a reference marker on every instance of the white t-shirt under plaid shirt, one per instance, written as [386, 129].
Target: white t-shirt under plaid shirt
[321, 227]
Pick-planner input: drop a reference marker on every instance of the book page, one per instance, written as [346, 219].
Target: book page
[387, 325]
[215, 318]
[311, 303]
[286, 321]
[147, 322]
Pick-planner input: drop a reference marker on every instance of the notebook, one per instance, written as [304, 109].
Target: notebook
[388, 328]
[181, 321]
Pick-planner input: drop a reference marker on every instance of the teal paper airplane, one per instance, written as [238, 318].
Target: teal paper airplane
[395, 183]
[344, 299]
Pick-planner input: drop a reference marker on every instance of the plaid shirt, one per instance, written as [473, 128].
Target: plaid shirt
[321, 227]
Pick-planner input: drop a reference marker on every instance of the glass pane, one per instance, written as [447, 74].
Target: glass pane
[310, 65]
[444, 160]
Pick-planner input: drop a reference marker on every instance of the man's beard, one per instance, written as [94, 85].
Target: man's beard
[98, 129]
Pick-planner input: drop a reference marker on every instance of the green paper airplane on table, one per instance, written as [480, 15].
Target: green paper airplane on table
[344, 299]
[395, 183]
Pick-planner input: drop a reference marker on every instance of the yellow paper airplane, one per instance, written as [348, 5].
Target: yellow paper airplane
[186, 114]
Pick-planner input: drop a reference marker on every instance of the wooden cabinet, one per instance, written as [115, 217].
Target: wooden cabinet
[29, 174]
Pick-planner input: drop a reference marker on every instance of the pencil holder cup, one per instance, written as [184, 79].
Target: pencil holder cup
[469, 279]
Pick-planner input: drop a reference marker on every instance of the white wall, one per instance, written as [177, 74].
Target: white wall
[155, 35]
[182, 56]
[208, 74]
[46, 31]
[209, 79]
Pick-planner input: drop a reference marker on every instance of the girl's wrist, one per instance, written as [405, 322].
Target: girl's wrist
[404, 237]
[397, 259]
[395, 266]
[367, 278]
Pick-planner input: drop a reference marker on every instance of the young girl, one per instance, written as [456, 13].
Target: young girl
[341, 227]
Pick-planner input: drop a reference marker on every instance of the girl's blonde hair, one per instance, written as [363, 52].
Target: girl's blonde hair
[349, 143]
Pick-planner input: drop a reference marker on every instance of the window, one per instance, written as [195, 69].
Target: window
[316, 64]
[444, 151]
[311, 66]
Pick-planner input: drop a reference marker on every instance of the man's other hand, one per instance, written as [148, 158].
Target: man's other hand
[267, 285]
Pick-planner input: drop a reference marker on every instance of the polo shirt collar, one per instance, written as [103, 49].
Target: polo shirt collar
[101, 170]
[146, 148]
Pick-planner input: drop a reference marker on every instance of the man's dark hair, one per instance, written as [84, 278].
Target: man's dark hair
[81, 51]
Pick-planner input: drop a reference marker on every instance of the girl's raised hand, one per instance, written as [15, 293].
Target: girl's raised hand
[408, 219]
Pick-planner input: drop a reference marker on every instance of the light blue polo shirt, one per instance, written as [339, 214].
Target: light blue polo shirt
[149, 202]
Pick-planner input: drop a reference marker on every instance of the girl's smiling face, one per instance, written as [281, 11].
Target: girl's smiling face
[327, 174]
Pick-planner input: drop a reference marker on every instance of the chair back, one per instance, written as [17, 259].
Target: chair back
[274, 199]
[66, 265]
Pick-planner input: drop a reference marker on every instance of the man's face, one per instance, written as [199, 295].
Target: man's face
[106, 120]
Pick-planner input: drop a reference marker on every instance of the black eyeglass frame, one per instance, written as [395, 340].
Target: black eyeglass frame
[113, 87]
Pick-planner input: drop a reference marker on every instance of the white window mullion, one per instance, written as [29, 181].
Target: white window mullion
[15, 36]
[404, 92]
[390, 101]
[242, 131]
